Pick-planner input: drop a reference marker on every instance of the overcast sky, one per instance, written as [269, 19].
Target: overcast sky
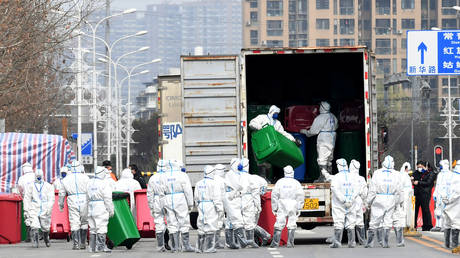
[140, 4]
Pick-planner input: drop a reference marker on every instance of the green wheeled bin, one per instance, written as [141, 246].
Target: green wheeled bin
[272, 147]
[348, 146]
[122, 230]
[253, 112]
[23, 224]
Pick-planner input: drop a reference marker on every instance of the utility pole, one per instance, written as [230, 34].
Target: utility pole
[108, 82]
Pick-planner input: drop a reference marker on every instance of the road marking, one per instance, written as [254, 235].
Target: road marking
[275, 252]
[271, 248]
[278, 256]
[429, 245]
[433, 240]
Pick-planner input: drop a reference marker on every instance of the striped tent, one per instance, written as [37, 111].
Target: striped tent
[47, 152]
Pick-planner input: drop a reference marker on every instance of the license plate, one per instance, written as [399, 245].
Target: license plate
[311, 204]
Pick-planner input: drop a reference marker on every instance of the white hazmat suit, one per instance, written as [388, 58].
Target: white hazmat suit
[38, 202]
[62, 174]
[128, 184]
[324, 125]
[452, 208]
[440, 192]
[208, 201]
[345, 189]
[154, 188]
[74, 186]
[220, 180]
[383, 196]
[270, 119]
[400, 219]
[287, 201]
[178, 198]
[27, 178]
[100, 209]
[262, 189]
[360, 199]
[250, 202]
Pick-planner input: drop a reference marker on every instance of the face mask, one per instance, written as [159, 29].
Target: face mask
[183, 170]
[275, 116]
[39, 178]
[63, 175]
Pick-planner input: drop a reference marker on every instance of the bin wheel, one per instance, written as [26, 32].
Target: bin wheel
[110, 244]
[129, 246]
[68, 238]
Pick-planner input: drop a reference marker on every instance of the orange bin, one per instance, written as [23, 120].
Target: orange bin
[267, 219]
[10, 224]
[60, 224]
[144, 219]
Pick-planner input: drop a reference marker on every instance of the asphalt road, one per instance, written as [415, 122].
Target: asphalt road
[309, 243]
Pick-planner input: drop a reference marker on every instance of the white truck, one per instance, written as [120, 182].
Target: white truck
[209, 118]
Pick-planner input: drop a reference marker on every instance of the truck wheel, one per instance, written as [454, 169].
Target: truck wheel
[193, 219]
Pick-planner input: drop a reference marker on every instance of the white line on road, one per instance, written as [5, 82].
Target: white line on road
[278, 256]
[275, 252]
[271, 248]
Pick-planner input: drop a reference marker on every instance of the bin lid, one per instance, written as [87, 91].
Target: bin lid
[119, 195]
[141, 191]
[10, 197]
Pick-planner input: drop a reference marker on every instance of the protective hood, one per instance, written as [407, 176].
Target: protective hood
[27, 168]
[406, 164]
[38, 175]
[288, 172]
[273, 109]
[234, 164]
[209, 171]
[457, 168]
[388, 162]
[76, 167]
[444, 165]
[220, 170]
[161, 165]
[245, 164]
[126, 174]
[101, 172]
[342, 165]
[354, 166]
[324, 107]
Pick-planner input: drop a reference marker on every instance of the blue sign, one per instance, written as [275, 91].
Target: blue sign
[86, 144]
[433, 52]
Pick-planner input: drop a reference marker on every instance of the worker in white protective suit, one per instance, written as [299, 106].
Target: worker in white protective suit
[38, 202]
[178, 200]
[62, 174]
[441, 190]
[100, 209]
[154, 187]
[262, 185]
[128, 184]
[75, 186]
[271, 118]
[383, 196]
[208, 200]
[361, 188]
[345, 189]
[27, 178]
[400, 220]
[234, 187]
[287, 201]
[250, 202]
[219, 178]
[452, 209]
[324, 125]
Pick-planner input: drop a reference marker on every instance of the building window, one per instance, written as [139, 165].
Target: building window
[394, 7]
[347, 26]
[274, 8]
[395, 47]
[403, 43]
[347, 42]
[449, 24]
[383, 46]
[395, 65]
[335, 7]
[322, 24]
[335, 42]
[322, 42]
[383, 66]
[335, 26]
[408, 24]
[254, 17]
[403, 64]
[382, 26]
[446, 7]
[302, 26]
[302, 6]
[254, 37]
[302, 43]
[453, 82]
[274, 28]
[407, 4]
[346, 7]
[382, 7]
[395, 26]
[292, 7]
[322, 4]
[274, 43]
[253, 3]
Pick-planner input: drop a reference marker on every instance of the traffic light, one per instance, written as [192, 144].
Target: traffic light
[438, 155]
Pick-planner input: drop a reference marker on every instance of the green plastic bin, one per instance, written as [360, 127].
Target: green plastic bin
[122, 230]
[311, 160]
[350, 145]
[23, 224]
[272, 147]
[253, 112]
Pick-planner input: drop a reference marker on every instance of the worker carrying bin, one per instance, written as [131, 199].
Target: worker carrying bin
[272, 144]
[122, 230]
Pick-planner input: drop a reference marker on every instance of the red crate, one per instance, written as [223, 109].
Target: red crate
[299, 117]
[351, 116]
[144, 219]
[10, 224]
[60, 224]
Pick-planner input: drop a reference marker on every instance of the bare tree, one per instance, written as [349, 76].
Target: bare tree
[33, 39]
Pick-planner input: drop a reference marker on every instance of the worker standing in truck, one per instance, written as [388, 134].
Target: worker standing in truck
[270, 119]
[324, 125]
